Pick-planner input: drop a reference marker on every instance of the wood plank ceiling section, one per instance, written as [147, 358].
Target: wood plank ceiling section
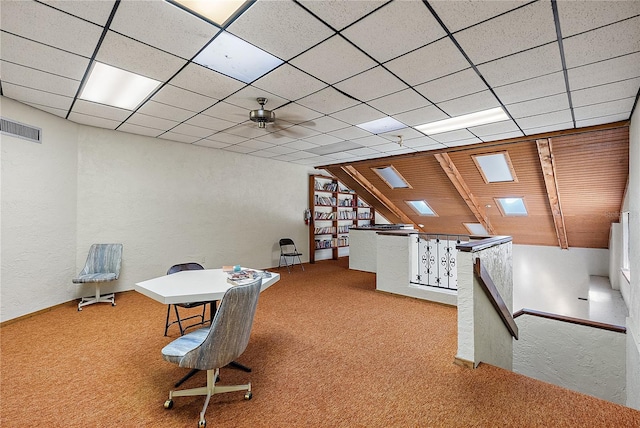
[590, 165]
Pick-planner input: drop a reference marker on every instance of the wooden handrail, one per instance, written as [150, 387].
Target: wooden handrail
[563, 318]
[486, 283]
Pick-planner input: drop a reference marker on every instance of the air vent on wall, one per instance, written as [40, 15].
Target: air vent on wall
[20, 130]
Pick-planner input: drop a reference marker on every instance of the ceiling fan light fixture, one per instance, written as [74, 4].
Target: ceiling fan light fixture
[262, 116]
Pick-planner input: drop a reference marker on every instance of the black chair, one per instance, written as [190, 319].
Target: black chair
[179, 321]
[288, 250]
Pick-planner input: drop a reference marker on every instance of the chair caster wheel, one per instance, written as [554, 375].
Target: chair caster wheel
[168, 404]
[79, 309]
[113, 304]
[202, 424]
[248, 395]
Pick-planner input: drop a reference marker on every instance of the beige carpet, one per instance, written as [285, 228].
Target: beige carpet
[326, 350]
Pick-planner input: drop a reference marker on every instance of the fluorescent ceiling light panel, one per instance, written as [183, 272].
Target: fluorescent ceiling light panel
[392, 177]
[512, 206]
[380, 126]
[218, 11]
[464, 121]
[421, 207]
[236, 58]
[476, 229]
[495, 168]
[116, 87]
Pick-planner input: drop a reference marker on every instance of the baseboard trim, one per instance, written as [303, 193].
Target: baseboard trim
[463, 363]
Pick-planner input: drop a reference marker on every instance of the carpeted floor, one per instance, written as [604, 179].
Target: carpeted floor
[326, 350]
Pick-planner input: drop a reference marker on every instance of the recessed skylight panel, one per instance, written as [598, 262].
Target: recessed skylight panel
[392, 177]
[421, 207]
[216, 11]
[476, 229]
[116, 87]
[512, 206]
[495, 168]
[380, 126]
[232, 56]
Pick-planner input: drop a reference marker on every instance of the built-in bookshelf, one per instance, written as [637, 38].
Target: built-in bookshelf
[334, 210]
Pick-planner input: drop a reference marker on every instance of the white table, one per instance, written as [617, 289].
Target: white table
[192, 286]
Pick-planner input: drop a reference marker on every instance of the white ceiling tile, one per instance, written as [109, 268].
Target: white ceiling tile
[239, 149]
[40, 57]
[247, 98]
[256, 145]
[191, 130]
[371, 140]
[55, 111]
[283, 29]
[371, 84]
[296, 113]
[322, 140]
[281, 150]
[263, 154]
[406, 133]
[339, 13]
[152, 108]
[289, 82]
[455, 85]
[205, 81]
[44, 24]
[179, 138]
[602, 119]
[278, 138]
[604, 43]
[539, 106]
[538, 87]
[603, 93]
[300, 155]
[548, 128]
[325, 124]
[422, 143]
[543, 120]
[27, 95]
[452, 136]
[96, 12]
[400, 27]
[523, 66]
[394, 150]
[502, 136]
[399, 102]
[228, 112]
[609, 108]
[613, 70]
[159, 123]
[457, 15]
[100, 110]
[495, 128]
[300, 145]
[98, 122]
[358, 114]
[226, 138]
[350, 133]
[428, 63]
[36, 79]
[208, 122]
[321, 60]
[182, 98]
[161, 19]
[139, 130]
[465, 142]
[579, 16]
[127, 54]
[364, 152]
[248, 130]
[516, 31]
[479, 101]
[297, 131]
[421, 116]
[327, 101]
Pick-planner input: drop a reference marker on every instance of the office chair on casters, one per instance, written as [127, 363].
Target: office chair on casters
[216, 346]
[102, 265]
[288, 249]
[179, 321]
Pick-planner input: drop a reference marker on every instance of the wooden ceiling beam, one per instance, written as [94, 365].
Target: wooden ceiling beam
[463, 189]
[357, 176]
[545, 153]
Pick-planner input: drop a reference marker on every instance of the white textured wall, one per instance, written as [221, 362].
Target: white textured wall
[362, 249]
[633, 322]
[38, 205]
[166, 202]
[550, 279]
[584, 359]
[615, 255]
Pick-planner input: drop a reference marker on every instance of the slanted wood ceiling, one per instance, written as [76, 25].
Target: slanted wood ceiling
[590, 169]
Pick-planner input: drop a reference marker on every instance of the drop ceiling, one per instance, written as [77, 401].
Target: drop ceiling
[551, 65]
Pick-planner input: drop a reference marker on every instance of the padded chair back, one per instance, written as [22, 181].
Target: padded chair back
[184, 266]
[230, 329]
[103, 259]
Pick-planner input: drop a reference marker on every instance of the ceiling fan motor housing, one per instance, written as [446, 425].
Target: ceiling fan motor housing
[262, 116]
